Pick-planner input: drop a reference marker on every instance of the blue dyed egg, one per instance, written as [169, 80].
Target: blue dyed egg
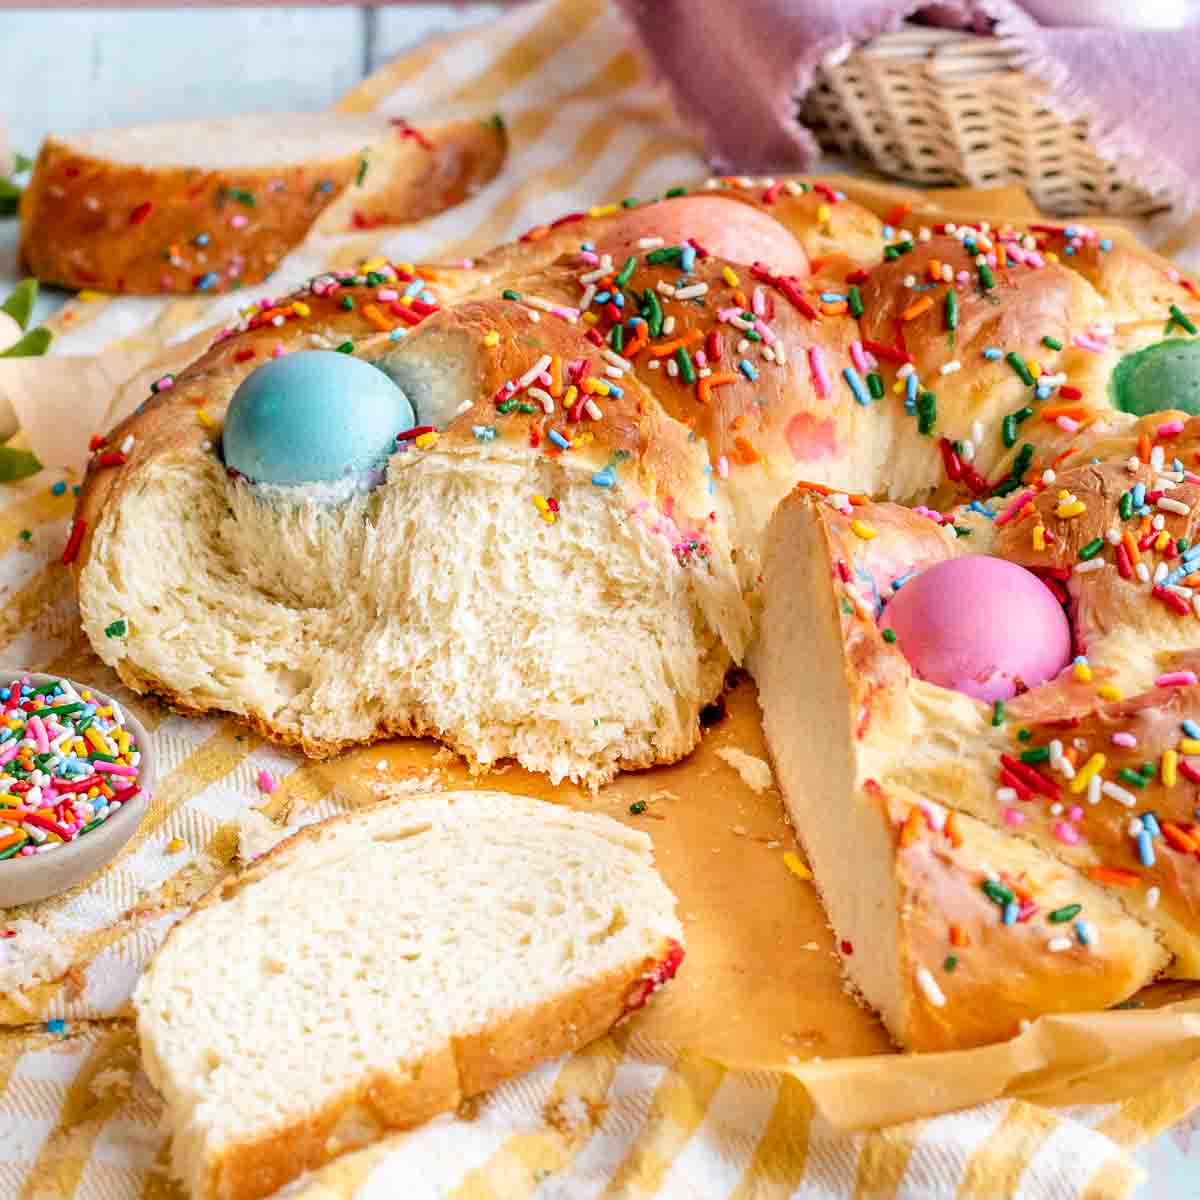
[315, 416]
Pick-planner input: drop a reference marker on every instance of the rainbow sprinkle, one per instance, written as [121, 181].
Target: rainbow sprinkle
[67, 763]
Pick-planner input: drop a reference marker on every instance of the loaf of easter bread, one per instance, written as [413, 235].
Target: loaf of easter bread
[553, 537]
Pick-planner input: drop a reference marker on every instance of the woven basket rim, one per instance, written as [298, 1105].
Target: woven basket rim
[931, 44]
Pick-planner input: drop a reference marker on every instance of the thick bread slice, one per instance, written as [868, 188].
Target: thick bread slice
[378, 968]
[923, 915]
[212, 205]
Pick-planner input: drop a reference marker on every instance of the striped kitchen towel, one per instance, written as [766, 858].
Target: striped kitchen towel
[625, 1117]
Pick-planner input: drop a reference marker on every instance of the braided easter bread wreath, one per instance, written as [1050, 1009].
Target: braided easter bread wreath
[568, 540]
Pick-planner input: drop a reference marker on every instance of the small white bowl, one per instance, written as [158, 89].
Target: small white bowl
[34, 877]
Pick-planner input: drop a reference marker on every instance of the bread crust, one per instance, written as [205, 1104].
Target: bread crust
[88, 222]
[391, 1101]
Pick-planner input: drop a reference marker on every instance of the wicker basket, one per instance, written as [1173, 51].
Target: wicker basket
[943, 108]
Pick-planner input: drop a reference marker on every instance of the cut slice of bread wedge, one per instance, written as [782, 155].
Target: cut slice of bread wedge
[381, 967]
[207, 206]
[954, 931]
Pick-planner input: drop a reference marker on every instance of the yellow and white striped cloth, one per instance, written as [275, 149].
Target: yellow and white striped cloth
[624, 1118]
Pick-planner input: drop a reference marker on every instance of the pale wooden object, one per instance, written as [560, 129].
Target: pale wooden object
[943, 108]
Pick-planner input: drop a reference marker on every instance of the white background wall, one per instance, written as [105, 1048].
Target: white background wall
[71, 69]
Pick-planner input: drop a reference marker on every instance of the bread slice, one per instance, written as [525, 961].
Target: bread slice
[380, 967]
[921, 916]
[206, 206]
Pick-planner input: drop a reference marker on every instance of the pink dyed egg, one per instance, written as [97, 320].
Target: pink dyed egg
[980, 625]
[725, 228]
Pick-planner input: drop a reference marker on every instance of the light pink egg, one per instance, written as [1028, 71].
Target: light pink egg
[980, 625]
[725, 228]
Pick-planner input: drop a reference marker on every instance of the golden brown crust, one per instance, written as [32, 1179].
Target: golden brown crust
[89, 223]
[769, 412]
[1023, 305]
[990, 975]
[1134, 281]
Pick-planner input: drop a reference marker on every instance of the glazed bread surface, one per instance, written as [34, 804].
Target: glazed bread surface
[207, 206]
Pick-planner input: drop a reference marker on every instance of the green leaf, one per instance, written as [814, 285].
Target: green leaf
[35, 342]
[20, 304]
[10, 196]
[21, 164]
[17, 464]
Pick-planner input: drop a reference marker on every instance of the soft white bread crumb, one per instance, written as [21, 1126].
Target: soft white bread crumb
[218, 144]
[380, 967]
[755, 772]
[438, 603]
[257, 834]
[31, 955]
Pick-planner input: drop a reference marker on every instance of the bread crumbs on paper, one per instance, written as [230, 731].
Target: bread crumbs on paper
[29, 954]
[257, 834]
[428, 781]
[755, 772]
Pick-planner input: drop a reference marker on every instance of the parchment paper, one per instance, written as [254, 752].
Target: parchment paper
[761, 986]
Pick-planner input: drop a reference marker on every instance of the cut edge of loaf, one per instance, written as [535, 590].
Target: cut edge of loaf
[889, 920]
[649, 674]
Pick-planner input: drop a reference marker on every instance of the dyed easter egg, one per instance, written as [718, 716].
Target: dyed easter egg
[980, 625]
[313, 417]
[725, 228]
[1162, 376]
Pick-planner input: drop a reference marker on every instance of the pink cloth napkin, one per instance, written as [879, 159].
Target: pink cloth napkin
[736, 69]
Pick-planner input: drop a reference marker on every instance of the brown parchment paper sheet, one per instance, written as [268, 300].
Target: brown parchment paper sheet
[761, 985]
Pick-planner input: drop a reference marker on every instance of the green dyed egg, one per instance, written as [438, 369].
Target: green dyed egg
[1162, 376]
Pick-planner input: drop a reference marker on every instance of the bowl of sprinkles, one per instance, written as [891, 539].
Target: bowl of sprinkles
[75, 778]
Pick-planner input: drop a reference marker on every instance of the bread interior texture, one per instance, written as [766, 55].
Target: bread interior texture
[437, 603]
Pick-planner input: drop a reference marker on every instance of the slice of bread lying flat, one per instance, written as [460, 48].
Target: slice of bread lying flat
[380, 967]
[206, 206]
